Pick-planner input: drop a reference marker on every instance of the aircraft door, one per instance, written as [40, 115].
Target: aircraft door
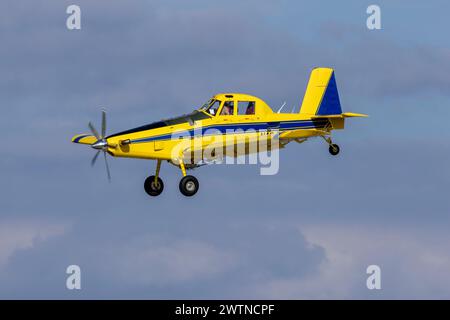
[228, 111]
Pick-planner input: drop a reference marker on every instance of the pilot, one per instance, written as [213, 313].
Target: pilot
[227, 108]
[250, 108]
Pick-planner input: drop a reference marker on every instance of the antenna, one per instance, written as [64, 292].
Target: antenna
[279, 110]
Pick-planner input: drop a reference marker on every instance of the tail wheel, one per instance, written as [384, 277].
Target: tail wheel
[333, 149]
[153, 188]
[189, 186]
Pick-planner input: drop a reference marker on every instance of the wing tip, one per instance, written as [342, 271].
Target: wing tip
[83, 138]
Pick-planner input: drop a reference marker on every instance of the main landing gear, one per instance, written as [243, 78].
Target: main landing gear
[154, 185]
[189, 186]
[333, 149]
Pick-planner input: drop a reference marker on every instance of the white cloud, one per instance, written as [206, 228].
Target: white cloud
[152, 261]
[414, 263]
[17, 235]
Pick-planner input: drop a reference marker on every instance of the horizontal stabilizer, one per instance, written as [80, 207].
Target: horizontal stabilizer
[352, 114]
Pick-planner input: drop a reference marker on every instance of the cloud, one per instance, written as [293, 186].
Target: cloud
[154, 261]
[239, 236]
[414, 264]
[152, 264]
[24, 234]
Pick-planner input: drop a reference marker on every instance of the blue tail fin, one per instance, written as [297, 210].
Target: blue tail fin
[321, 96]
[330, 103]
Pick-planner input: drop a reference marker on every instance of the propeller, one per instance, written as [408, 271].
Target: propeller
[101, 145]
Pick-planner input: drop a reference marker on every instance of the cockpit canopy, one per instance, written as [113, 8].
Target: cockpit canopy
[229, 104]
[235, 104]
[211, 106]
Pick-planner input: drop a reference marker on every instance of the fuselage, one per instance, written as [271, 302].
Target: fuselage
[159, 139]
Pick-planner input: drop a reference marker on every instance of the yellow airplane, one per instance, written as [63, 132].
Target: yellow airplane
[226, 120]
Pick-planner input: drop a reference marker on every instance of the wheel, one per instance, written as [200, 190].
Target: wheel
[189, 186]
[333, 149]
[153, 189]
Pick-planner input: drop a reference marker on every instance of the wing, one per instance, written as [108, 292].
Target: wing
[84, 139]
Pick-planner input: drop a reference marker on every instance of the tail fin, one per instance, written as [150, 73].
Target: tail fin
[321, 96]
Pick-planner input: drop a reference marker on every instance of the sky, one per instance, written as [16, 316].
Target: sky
[308, 232]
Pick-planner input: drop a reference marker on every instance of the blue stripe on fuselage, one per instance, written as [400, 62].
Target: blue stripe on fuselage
[224, 128]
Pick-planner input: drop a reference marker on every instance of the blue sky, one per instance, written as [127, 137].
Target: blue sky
[308, 232]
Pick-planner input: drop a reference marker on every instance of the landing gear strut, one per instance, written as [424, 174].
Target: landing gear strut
[333, 149]
[154, 185]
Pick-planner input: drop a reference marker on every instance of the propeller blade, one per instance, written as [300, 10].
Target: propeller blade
[94, 159]
[103, 123]
[107, 167]
[94, 131]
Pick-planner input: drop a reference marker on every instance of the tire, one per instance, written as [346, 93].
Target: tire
[152, 189]
[189, 186]
[333, 149]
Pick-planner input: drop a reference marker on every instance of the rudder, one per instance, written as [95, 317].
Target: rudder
[321, 96]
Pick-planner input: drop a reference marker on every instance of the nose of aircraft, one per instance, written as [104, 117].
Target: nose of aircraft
[100, 144]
